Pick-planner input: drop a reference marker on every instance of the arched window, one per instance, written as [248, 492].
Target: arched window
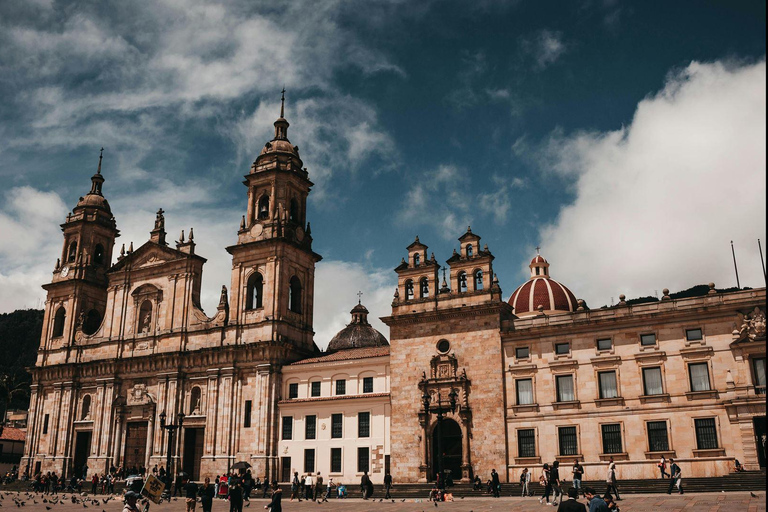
[416, 260]
[408, 290]
[263, 207]
[72, 252]
[294, 211]
[469, 251]
[85, 409]
[478, 280]
[195, 400]
[98, 254]
[294, 297]
[423, 288]
[145, 316]
[462, 282]
[92, 322]
[254, 291]
[58, 322]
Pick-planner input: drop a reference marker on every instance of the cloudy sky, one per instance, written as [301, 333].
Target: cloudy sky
[627, 139]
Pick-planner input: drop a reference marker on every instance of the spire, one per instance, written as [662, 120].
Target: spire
[97, 179]
[281, 125]
[157, 235]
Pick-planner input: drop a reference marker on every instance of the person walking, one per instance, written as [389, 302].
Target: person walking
[190, 494]
[525, 479]
[596, 503]
[277, 495]
[571, 505]
[387, 485]
[675, 477]
[267, 487]
[578, 473]
[329, 489]
[495, 483]
[207, 491]
[610, 480]
[295, 487]
[308, 486]
[663, 467]
[247, 485]
[366, 486]
[318, 487]
[554, 479]
[545, 483]
[130, 502]
[235, 495]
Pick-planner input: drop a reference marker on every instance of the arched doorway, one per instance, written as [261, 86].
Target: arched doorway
[450, 432]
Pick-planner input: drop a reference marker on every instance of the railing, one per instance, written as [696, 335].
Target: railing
[759, 390]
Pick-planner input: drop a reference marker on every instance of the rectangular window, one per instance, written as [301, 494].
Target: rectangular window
[522, 352]
[562, 348]
[363, 424]
[287, 428]
[368, 385]
[565, 388]
[310, 427]
[337, 428]
[335, 460]
[647, 339]
[567, 438]
[293, 390]
[608, 386]
[657, 436]
[315, 388]
[247, 413]
[699, 374]
[309, 460]
[706, 434]
[758, 368]
[652, 381]
[611, 438]
[526, 443]
[45, 423]
[362, 460]
[341, 387]
[604, 344]
[524, 391]
[693, 335]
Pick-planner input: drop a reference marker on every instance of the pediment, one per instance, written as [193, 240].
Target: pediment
[150, 255]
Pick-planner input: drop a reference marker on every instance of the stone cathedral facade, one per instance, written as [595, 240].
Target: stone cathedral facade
[469, 380]
[123, 343]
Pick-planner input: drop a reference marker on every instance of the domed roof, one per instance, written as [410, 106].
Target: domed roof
[93, 201]
[280, 146]
[359, 333]
[542, 290]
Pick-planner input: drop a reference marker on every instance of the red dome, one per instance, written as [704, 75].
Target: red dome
[542, 290]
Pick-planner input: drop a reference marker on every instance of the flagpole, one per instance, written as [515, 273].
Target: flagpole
[762, 262]
[735, 267]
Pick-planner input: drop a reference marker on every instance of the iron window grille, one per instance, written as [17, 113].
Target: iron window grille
[287, 428]
[526, 443]
[568, 442]
[335, 460]
[316, 388]
[341, 387]
[310, 427]
[658, 441]
[293, 390]
[364, 424]
[612, 438]
[706, 434]
[337, 430]
[368, 385]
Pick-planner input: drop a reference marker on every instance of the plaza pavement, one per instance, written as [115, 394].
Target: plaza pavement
[709, 502]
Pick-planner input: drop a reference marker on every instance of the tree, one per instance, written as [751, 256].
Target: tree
[14, 384]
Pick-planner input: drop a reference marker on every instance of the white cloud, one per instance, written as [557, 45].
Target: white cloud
[546, 47]
[658, 201]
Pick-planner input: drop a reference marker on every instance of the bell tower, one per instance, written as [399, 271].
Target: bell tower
[273, 265]
[77, 293]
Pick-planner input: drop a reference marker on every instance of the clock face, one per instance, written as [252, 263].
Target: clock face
[299, 233]
[256, 230]
[65, 271]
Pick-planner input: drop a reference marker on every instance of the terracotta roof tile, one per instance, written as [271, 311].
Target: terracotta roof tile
[13, 434]
[346, 355]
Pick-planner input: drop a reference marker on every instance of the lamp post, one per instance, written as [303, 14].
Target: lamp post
[440, 408]
[171, 428]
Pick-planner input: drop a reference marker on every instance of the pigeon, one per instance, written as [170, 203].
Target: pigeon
[402, 500]
[248, 504]
[435, 503]
[752, 494]
[47, 507]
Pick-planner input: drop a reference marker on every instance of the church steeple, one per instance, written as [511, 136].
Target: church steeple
[97, 180]
[282, 124]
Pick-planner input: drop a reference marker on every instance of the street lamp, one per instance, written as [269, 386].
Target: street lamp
[440, 408]
[171, 428]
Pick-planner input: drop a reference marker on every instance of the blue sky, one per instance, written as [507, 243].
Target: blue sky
[625, 138]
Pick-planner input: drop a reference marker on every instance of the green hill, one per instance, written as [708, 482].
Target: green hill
[19, 339]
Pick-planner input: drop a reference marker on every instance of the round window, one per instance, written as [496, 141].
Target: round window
[443, 346]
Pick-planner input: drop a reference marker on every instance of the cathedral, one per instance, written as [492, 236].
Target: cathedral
[132, 372]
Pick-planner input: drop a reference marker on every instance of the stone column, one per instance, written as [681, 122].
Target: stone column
[466, 467]
[423, 448]
[150, 434]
